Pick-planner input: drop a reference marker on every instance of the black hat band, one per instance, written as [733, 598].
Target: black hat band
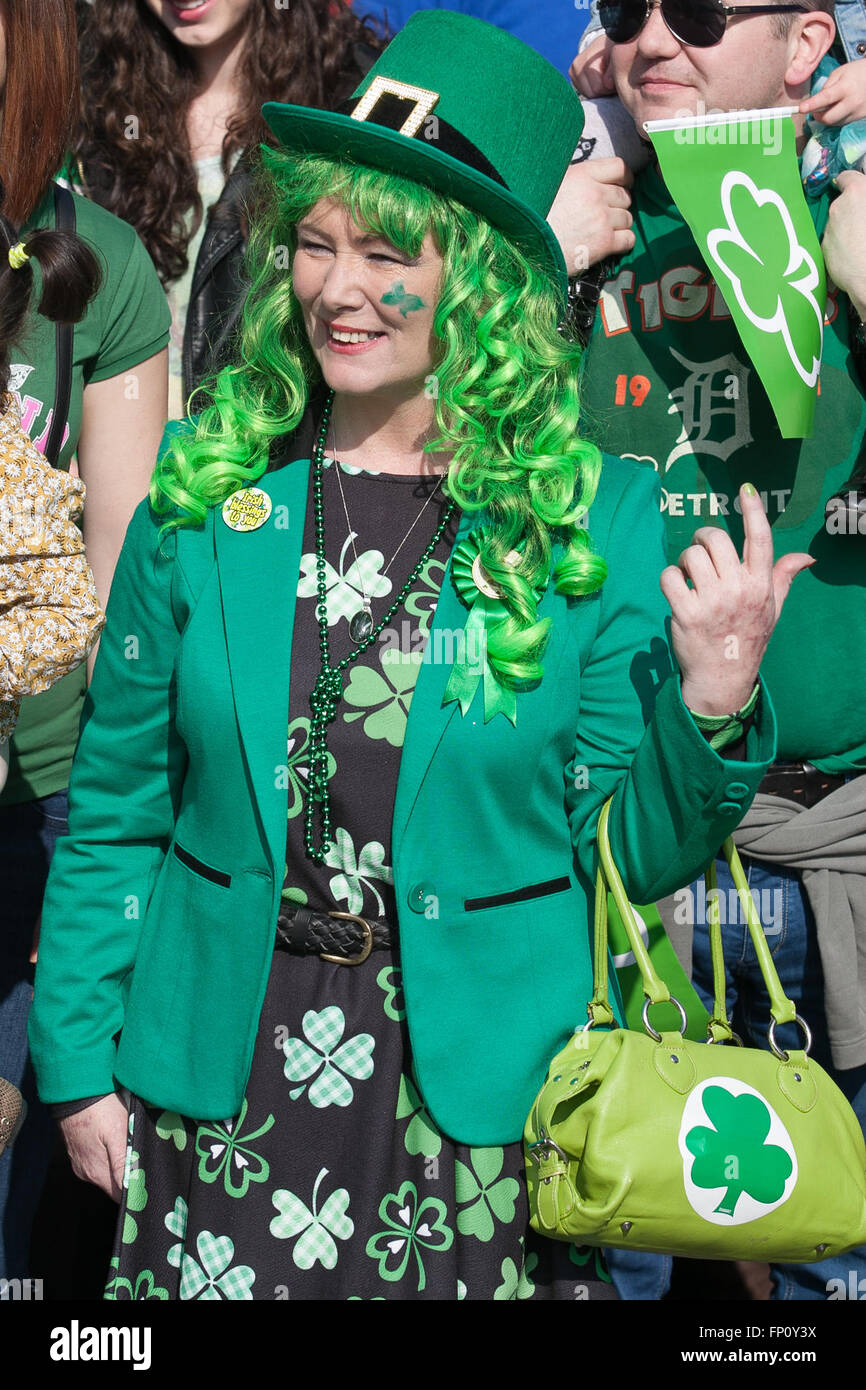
[392, 110]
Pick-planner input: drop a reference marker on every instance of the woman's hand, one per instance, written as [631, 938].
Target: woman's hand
[95, 1140]
[721, 626]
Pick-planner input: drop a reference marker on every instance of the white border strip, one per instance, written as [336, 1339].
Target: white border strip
[725, 118]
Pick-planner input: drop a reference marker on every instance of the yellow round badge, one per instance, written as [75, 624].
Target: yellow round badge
[247, 509]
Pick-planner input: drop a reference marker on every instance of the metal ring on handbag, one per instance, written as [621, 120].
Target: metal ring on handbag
[735, 1037]
[547, 1145]
[781, 1053]
[645, 1012]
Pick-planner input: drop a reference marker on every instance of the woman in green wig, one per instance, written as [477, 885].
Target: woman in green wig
[384, 637]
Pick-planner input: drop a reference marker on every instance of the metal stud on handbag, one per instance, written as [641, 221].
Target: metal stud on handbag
[718, 1151]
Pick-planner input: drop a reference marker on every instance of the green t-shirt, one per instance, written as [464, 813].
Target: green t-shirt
[667, 382]
[126, 323]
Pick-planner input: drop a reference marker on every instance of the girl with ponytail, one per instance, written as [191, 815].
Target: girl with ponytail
[70, 277]
[51, 615]
[86, 371]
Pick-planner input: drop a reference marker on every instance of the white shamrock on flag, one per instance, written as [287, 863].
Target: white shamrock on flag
[799, 262]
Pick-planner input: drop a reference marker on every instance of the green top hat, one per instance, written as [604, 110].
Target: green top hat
[465, 108]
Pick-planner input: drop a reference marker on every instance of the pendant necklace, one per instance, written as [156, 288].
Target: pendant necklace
[361, 622]
[328, 689]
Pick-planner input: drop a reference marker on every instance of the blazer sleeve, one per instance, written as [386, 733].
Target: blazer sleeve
[124, 790]
[674, 798]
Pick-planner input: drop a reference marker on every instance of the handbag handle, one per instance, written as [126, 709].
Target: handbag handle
[782, 1008]
[718, 1028]
[656, 991]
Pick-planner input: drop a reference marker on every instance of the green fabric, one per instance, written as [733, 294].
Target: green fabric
[126, 323]
[737, 184]
[667, 383]
[474, 70]
[180, 745]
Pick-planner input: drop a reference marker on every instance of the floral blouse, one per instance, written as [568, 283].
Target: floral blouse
[50, 615]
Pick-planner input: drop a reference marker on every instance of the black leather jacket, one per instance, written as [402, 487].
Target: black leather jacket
[218, 285]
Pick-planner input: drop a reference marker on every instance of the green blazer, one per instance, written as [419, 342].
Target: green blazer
[159, 913]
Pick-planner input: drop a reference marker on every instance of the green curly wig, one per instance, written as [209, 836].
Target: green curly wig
[506, 405]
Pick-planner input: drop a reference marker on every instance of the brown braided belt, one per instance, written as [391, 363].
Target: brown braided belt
[341, 937]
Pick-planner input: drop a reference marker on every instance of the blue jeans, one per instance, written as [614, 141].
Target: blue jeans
[28, 832]
[790, 930]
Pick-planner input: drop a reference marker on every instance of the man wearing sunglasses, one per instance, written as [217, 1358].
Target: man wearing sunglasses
[668, 382]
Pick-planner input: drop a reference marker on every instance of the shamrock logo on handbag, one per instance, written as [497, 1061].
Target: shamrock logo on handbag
[742, 1164]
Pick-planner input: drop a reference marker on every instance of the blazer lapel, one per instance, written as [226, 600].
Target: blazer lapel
[258, 577]
[428, 719]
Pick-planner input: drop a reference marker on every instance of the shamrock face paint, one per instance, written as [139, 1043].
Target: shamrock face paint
[404, 301]
[368, 308]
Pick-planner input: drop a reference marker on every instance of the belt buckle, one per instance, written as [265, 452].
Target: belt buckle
[366, 947]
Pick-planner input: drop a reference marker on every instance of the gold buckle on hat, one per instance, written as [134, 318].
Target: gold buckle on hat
[366, 947]
[424, 101]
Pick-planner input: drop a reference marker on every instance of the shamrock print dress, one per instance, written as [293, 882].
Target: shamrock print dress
[333, 1182]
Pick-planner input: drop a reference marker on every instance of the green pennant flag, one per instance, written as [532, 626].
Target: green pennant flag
[736, 181]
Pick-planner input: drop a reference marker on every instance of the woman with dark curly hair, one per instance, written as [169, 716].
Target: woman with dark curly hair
[170, 127]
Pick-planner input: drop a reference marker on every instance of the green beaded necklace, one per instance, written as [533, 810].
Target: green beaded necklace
[328, 690]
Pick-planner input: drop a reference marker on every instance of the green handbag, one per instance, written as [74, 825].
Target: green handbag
[650, 1141]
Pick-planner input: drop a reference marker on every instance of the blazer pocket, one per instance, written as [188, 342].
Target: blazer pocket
[203, 870]
[519, 895]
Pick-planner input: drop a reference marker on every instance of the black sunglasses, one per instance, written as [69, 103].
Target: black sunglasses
[696, 23]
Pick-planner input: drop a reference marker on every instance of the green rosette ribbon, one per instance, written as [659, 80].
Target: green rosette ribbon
[471, 666]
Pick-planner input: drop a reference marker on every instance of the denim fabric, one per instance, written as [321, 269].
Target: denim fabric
[851, 27]
[637, 1275]
[789, 927]
[28, 832]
